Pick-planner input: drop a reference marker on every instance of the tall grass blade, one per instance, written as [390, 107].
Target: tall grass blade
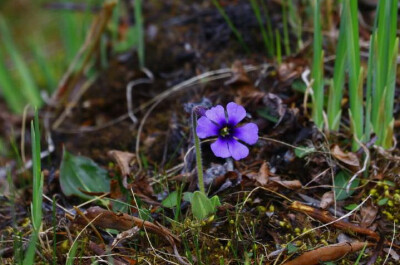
[30, 90]
[368, 96]
[70, 33]
[9, 90]
[317, 68]
[337, 88]
[278, 46]
[286, 40]
[267, 42]
[270, 31]
[295, 22]
[387, 134]
[45, 66]
[384, 70]
[37, 187]
[231, 26]
[355, 84]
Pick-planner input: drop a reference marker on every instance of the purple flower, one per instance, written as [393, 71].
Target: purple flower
[217, 122]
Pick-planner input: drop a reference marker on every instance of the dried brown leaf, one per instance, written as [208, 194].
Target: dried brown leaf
[368, 215]
[327, 200]
[124, 161]
[349, 159]
[289, 184]
[263, 174]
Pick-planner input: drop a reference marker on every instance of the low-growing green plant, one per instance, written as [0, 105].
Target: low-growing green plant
[37, 192]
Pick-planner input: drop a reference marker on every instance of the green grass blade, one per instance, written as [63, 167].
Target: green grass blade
[296, 23]
[37, 188]
[368, 96]
[387, 135]
[317, 68]
[286, 40]
[384, 71]
[270, 31]
[231, 26]
[353, 56]
[70, 33]
[278, 46]
[30, 253]
[45, 66]
[337, 88]
[9, 90]
[257, 13]
[30, 90]
[37, 175]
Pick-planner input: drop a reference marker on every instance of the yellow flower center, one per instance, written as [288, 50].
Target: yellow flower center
[224, 131]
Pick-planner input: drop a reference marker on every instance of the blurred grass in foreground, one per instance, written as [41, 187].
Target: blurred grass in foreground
[40, 39]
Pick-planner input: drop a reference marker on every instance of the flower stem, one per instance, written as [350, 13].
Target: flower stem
[199, 163]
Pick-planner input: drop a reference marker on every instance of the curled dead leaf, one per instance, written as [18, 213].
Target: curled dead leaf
[349, 159]
[124, 161]
[263, 174]
[327, 200]
[368, 215]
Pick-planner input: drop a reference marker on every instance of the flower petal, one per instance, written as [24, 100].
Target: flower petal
[220, 148]
[247, 133]
[236, 113]
[237, 150]
[217, 115]
[206, 128]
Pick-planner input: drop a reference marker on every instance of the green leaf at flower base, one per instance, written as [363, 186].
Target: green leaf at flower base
[81, 173]
[171, 201]
[188, 196]
[202, 206]
[215, 201]
[340, 184]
